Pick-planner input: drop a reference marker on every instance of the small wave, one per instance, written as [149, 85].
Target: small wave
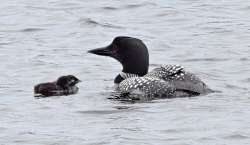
[92, 22]
[246, 80]
[236, 136]
[31, 29]
[5, 85]
[221, 22]
[206, 139]
[3, 128]
[131, 6]
[25, 30]
[233, 87]
[39, 8]
[244, 59]
[6, 43]
[122, 107]
[27, 132]
[207, 59]
[220, 30]
[99, 112]
[54, 8]
[109, 8]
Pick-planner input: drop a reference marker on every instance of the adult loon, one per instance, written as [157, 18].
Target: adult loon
[163, 82]
[64, 85]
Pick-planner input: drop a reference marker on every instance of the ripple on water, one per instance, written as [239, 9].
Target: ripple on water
[207, 59]
[247, 80]
[134, 6]
[118, 109]
[244, 59]
[26, 30]
[91, 22]
[236, 136]
[99, 112]
[109, 8]
[6, 43]
[235, 87]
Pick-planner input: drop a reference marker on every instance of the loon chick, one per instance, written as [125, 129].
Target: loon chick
[64, 85]
[165, 81]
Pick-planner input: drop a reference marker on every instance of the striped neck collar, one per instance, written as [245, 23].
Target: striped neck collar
[127, 75]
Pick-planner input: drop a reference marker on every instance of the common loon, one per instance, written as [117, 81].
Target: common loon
[64, 85]
[163, 82]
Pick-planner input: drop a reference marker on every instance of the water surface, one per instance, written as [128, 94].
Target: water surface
[41, 40]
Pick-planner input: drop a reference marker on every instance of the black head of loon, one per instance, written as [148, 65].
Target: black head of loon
[131, 52]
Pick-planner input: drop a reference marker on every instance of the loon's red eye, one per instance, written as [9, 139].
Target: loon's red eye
[115, 49]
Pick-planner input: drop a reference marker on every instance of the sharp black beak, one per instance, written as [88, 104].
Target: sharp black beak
[104, 51]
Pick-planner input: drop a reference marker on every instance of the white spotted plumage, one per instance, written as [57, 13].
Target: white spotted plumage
[162, 82]
[149, 87]
[168, 72]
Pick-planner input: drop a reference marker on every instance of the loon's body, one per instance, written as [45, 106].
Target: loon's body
[64, 85]
[145, 88]
[180, 79]
[163, 82]
[167, 81]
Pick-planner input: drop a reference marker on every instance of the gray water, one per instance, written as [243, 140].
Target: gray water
[41, 40]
